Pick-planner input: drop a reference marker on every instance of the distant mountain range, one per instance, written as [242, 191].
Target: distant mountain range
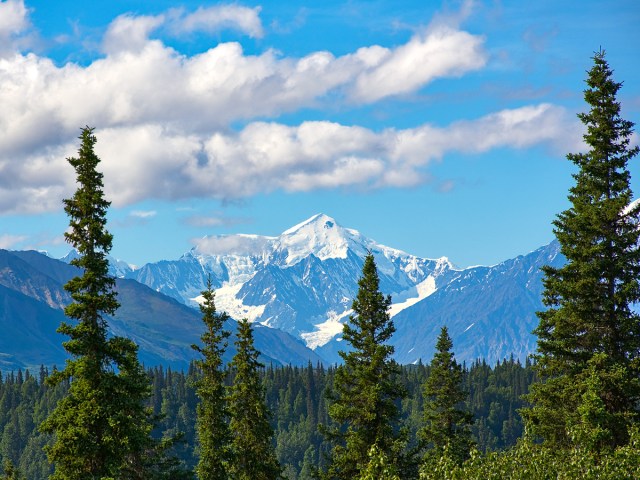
[32, 299]
[300, 284]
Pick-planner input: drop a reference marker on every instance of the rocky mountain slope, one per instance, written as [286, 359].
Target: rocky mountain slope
[297, 287]
[32, 299]
[304, 280]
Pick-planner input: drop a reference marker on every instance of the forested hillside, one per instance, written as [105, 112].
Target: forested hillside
[295, 395]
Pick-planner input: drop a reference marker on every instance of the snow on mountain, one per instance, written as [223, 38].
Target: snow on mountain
[422, 291]
[490, 312]
[302, 281]
[117, 268]
[321, 236]
[326, 331]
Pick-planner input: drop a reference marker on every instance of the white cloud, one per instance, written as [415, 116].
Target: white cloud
[36, 182]
[516, 128]
[130, 33]
[142, 81]
[163, 118]
[154, 161]
[13, 17]
[441, 52]
[213, 221]
[14, 22]
[143, 213]
[232, 244]
[213, 19]
[8, 241]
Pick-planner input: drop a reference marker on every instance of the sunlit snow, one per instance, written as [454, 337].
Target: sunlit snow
[320, 235]
[325, 331]
[421, 290]
[226, 301]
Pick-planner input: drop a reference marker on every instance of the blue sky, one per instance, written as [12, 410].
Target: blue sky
[437, 128]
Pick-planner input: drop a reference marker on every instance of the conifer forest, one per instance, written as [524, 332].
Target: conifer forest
[571, 411]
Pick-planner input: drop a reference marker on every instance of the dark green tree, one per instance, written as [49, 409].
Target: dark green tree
[367, 385]
[10, 471]
[446, 421]
[101, 427]
[211, 421]
[590, 298]
[253, 453]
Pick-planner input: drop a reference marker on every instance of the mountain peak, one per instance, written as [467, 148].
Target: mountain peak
[320, 220]
[319, 235]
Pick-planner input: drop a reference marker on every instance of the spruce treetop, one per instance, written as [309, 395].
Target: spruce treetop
[102, 428]
[590, 298]
[367, 385]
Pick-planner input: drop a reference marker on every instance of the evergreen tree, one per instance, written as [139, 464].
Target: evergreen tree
[378, 467]
[10, 471]
[589, 299]
[446, 421]
[253, 453]
[213, 432]
[101, 427]
[366, 386]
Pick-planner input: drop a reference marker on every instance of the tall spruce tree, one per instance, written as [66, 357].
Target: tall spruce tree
[212, 415]
[10, 471]
[253, 453]
[366, 386]
[589, 299]
[446, 422]
[101, 428]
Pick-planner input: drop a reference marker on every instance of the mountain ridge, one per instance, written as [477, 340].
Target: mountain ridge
[32, 299]
[303, 282]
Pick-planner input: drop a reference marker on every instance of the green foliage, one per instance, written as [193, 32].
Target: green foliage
[446, 421]
[253, 454]
[101, 427]
[367, 386]
[295, 395]
[378, 467]
[531, 461]
[591, 296]
[212, 415]
[10, 471]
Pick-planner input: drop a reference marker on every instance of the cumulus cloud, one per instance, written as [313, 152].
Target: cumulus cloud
[232, 244]
[143, 213]
[213, 221]
[522, 127]
[142, 81]
[440, 52]
[215, 18]
[36, 182]
[155, 162]
[130, 33]
[8, 241]
[14, 22]
[13, 17]
[163, 118]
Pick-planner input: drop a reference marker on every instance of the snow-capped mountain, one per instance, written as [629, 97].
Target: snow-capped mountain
[117, 268]
[304, 281]
[490, 312]
[32, 299]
